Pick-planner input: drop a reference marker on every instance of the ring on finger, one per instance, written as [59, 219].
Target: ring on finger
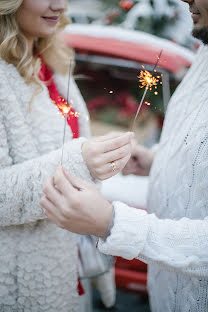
[113, 166]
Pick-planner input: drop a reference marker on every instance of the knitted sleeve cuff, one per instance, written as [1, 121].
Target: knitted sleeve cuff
[128, 234]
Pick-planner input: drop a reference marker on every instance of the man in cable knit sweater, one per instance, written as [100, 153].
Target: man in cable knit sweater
[172, 236]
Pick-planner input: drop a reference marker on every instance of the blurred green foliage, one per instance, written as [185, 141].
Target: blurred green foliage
[154, 23]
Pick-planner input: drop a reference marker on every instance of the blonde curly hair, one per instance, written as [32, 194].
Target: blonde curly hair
[14, 47]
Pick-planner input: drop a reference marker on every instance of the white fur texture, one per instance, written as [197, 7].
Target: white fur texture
[38, 260]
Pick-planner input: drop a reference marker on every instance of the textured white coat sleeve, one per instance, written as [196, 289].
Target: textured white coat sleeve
[177, 245]
[21, 184]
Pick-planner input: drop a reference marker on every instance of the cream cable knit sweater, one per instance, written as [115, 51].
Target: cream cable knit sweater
[173, 236]
[38, 260]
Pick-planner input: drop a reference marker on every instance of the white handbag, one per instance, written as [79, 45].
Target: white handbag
[92, 262]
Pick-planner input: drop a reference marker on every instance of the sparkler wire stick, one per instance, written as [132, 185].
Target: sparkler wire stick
[66, 112]
[145, 92]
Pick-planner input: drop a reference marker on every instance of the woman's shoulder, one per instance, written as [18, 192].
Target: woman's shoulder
[10, 76]
[6, 67]
[7, 72]
[9, 83]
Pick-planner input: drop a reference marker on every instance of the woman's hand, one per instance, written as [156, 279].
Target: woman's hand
[76, 205]
[107, 155]
[140, 162]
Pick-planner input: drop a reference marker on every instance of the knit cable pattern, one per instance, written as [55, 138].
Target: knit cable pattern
[172, 236]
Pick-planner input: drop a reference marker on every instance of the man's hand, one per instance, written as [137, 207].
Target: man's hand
[107, 155]
[76, 205]
[140, 162]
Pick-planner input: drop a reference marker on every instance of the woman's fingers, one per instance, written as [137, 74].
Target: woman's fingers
[117, 142]
[96, 151]
[111, 169]
[117, 154]
[108, 136]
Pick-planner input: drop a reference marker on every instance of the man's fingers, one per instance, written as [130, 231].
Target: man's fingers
[62, 183]
[117, 142]
[122, 162]
[75, 181]
[129, 171]
[47, 204]
[51, 192]
[54, 217]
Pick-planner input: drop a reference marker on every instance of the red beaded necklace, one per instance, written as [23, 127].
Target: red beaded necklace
[72, 116]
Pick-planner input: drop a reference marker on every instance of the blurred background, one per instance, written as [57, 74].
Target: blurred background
[114, 41]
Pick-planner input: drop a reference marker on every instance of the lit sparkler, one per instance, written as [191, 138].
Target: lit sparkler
[66, 109]
[148, 81]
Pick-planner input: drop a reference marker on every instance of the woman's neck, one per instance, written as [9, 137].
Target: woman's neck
[30, 46]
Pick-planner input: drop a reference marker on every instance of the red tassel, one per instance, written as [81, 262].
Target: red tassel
[80, 288]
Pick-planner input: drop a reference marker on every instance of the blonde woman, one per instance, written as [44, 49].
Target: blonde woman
[38, 260]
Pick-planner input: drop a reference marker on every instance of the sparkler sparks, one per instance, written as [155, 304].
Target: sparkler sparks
[66, 109]
[147, 81]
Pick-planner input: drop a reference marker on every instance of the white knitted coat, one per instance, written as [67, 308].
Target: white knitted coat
[173, 236]
[38, 260]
